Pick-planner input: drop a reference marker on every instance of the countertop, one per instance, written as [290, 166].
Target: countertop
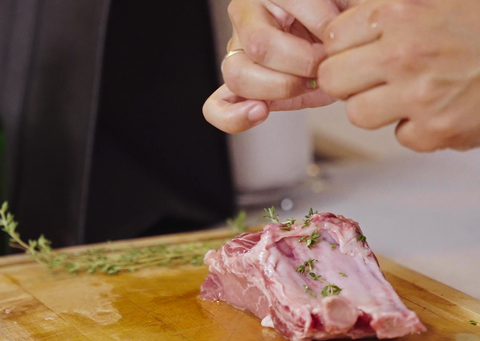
[420, 210]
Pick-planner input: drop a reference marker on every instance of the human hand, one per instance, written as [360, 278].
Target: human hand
[416, 62]
[280, 60]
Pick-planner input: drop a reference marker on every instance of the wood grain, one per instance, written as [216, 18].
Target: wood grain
[162, 303]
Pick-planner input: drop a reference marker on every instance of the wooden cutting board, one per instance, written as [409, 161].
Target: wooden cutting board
[162, 303]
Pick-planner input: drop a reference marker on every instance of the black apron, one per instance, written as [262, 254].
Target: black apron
[101, 102]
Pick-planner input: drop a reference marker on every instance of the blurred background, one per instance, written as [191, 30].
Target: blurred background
[103, 139]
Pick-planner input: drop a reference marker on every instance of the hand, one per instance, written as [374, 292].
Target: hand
[416, 62]
[281, 58]
[233, 114]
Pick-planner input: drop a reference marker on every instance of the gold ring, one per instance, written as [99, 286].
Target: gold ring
[229, 54]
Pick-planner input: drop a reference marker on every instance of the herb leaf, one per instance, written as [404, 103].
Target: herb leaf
[270, 215]
[106, 259]
[306, 223]
[238, 223]
[306, 266]
[287, 226]
[330, 290]
[310, 213]
[342, 274]
[309, 291]
[312, 240]
[474, 323]
[361, 238]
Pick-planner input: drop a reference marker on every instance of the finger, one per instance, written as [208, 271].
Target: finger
[378, 107]
[266, 43]
[233, 114]
[250, 80]
[310, 100]
[315, 15]
[412, 135]
[357, 26]
[352, 71]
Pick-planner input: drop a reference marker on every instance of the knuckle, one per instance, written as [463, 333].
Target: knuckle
[233, 79]
[443, 128]
[422, 145]
[326, 80]
[415, 145]
[354, 116]
[400, 9]
[360, 115]
[322, 23]
[427, 92]
[232, 11]
[257, 46]
[404, 56]
[288, 88]
[311, 65]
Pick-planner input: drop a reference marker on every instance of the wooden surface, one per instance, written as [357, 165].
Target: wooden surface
[162, 304]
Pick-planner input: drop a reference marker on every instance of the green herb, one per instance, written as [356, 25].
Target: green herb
[287, 226]
[238, 223]
[474, 323]
[106, 259]
[361, 238]
[270, 214]
[312, 240]
[310, 213]
[307, 265]
[342, 274]
[330, 290]
[308, 218]
[306, 223]
[334, 246]
[341, 217]
[309, 291]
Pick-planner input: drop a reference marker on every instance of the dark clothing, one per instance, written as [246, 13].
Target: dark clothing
[102, 107]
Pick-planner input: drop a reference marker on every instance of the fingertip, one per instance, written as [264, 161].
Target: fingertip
[258, 114]
[234, 116]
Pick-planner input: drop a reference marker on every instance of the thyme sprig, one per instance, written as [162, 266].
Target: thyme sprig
[361, 238]
[309, 291]
[308, 218]
[306, 266]
[287, 226]
[330, 289]
[314, 276]
[108, 259]
[270, 215]
[473, 322]
[310, 213]
[238, 224]
[312, 240]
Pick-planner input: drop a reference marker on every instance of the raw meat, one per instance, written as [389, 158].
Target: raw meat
[317, 280]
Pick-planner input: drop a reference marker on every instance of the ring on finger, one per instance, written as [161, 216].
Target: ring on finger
[229, 54]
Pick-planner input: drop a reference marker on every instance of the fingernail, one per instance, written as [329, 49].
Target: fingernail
[257, 114]
[312, 84]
